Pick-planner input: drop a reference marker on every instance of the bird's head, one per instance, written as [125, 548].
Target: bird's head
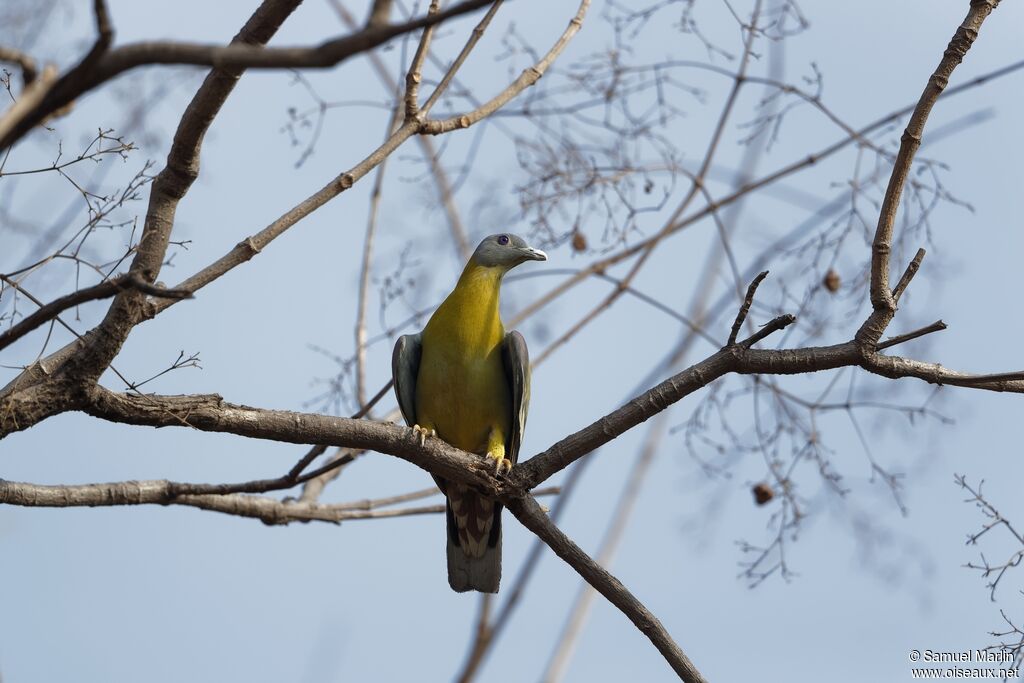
[505, 251]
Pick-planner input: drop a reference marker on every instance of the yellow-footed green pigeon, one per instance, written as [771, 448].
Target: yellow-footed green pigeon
[466, 381]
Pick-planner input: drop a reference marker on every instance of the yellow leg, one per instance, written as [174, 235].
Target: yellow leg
[496, 451]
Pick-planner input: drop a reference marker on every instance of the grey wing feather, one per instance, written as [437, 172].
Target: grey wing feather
[405, 368]
[516, 359]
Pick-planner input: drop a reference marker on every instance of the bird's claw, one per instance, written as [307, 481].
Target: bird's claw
[423, 433]
[502, 465]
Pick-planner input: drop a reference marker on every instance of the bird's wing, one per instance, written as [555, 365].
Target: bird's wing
[405, 368]
[516, 359]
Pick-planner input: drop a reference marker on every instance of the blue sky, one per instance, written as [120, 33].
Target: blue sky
[160, 594]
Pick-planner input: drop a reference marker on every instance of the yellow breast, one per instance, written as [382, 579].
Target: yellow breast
[461, 390]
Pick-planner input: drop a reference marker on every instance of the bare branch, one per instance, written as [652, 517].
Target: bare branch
[269, 510]
[449, 74]
[602, 264]
[895, 366]
[745, 308]
[525, 80]
[772, 326]
[236, 56]
[101, 291]
[566, 644]
[908, 275]
[437, 171]
[28, 66]
[415, 74]
[204, 497]
[169, 187]
[33, 93]
[936, 326]
[530, 514]
[883, 301]
[379, 13]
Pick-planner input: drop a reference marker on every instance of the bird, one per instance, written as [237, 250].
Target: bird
[466, 381]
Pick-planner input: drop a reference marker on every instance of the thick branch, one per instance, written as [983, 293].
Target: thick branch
[210, 413]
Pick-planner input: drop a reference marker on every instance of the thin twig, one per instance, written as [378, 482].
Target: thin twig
[366, 265]
[696, 186]
[774, 325]
[936, 326]
[415, 74]
[602, 264]
[908, 275]
[745, 308]
[437, 171]
[103, 290]
[530, 76]
[474, 38]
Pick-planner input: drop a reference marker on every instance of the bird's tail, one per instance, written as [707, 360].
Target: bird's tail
[474, 540]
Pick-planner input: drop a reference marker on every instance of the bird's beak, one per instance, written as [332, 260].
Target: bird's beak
[531, 254]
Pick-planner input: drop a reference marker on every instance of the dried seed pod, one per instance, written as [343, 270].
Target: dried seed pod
[762, 493]
[832, 281]
[579, 241]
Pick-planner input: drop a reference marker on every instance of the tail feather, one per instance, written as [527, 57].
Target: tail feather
[474, 563]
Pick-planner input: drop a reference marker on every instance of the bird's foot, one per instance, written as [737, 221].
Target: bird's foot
[502, 465]
[424, 433]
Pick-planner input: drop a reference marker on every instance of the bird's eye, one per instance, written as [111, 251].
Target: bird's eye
[503, 239]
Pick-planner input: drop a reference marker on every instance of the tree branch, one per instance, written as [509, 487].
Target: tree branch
[415, 73]
[161, 492]
[169, 187]
[101, 291]
[31, 95]
[524, 81]
[601, 265]
[883, 301]
[745, 308]
[235, 56]
[25, 62]
[530, 514]
[936, 326]
[908, 275]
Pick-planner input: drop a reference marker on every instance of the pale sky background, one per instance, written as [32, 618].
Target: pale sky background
[164, 594]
